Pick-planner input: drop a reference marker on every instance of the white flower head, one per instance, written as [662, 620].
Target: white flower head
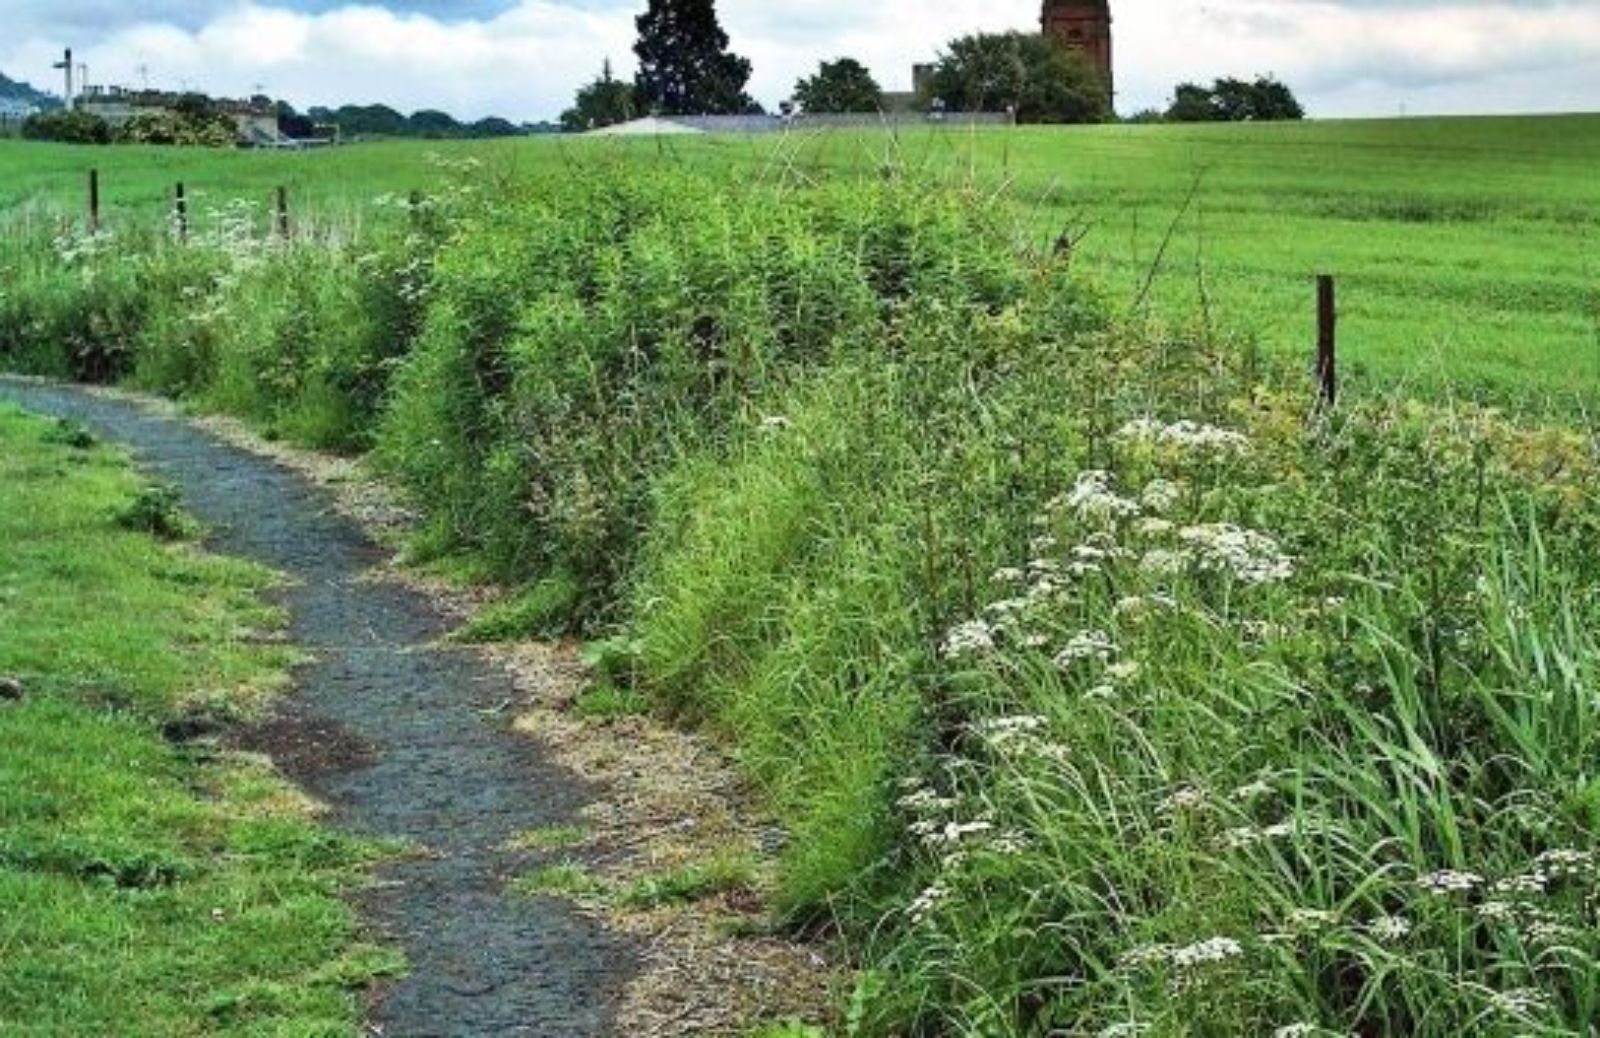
[1246, 555]
[1185, 798]
[1207, 952]
[999, 731]
[1186, 437]
[924, 904]
[1390, 928]
[1085, 646]
[1093, 498]
[1161, 496]
[973, 638]
[1521, 1002]
[1450, 881]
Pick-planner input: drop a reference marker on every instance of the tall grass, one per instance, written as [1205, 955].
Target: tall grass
[1102, 684]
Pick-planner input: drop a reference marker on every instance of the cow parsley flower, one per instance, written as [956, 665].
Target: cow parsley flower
[924, 904]
[1185, 798]
[1520, 1002]
[1164, 562]
[998, 731]
[1085, 645]
[1148, 955]
[1187, 436]
[1124, 670]
[1093, 498]
[974, 637]
[1450, 881]
[1161, 496]
[1247, 556]
[1390, 928]
[1207, 952]
[1204, 439]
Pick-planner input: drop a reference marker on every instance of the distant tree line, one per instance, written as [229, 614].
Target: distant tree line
[1229, 101]
[686, 68]
[195, 120]
[382, 121]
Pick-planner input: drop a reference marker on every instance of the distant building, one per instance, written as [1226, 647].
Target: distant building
[255, 120]
[1081, 25]
[14, 110]
[1084, 26]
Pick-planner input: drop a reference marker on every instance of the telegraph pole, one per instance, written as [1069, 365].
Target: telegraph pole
[66, 65]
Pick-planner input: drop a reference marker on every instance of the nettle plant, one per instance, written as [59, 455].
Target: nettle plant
[1206, 784]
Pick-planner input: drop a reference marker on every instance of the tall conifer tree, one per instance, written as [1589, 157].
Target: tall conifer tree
[685, 67]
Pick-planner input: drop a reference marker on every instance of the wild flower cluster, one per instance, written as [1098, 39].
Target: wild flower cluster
[1183, 641]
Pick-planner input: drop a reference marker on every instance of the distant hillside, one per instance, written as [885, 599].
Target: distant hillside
[11, 90]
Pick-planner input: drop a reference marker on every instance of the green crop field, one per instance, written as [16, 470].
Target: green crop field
[1465, 248]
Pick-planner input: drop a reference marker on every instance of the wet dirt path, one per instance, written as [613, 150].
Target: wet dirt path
[404, 738]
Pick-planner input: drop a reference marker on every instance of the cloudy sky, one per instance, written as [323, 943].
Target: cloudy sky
[523, 58]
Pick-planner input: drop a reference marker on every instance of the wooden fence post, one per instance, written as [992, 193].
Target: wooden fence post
[1327, 342]
[283, 213]
[94, 201]
[180, 212]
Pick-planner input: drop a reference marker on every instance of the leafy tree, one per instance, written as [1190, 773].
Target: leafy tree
[1044, 81]
[1275, 101]
[432, 124]
[1234, 100]
[67, 126]
[197, 107]
[604, 102]
[839, 86]
[494, 126]
[1193, 104]
[370, 121]
[685, 67]
[179, 129]
[292, 124]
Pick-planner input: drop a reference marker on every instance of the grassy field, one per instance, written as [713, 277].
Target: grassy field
[147, 888]
[1465, 248]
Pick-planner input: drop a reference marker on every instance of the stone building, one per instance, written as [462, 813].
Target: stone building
[1083, 25]
[255, 120]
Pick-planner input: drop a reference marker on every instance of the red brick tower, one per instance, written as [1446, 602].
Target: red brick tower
[1084, 25]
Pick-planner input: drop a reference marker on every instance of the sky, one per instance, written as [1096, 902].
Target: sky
[523, 59]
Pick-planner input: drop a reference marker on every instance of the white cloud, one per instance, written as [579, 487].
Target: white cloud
[1343, 56]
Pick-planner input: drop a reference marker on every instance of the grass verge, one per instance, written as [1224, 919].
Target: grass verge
[150, 887]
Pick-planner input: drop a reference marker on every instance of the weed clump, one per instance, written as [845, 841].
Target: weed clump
[157, 510]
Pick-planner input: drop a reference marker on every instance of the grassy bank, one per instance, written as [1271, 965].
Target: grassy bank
[1101, 682]
[149, 887]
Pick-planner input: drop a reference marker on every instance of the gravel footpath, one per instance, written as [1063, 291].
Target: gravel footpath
[403, 738]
